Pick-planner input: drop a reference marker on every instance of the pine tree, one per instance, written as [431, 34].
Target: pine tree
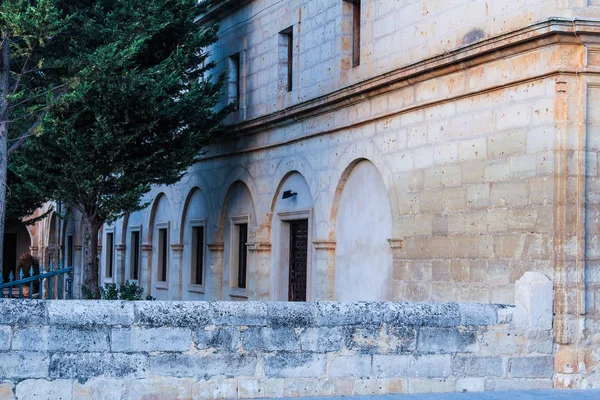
[30, 83]
[138, 111]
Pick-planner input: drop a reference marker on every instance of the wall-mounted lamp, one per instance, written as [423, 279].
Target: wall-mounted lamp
[288, 193]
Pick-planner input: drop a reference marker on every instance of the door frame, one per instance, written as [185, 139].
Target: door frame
[283, 253]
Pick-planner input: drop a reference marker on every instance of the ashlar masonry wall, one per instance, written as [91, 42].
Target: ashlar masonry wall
[200, 350]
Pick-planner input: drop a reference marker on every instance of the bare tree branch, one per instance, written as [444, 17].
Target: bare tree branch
[23, 138]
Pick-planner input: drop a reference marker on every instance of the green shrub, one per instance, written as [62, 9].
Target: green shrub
[129, 291]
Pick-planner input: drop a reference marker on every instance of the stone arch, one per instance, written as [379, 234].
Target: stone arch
[238, 174]
[153, 211]
[351, 156]
[161, 213]
[186, 205]
[362, 217]
[285, 213]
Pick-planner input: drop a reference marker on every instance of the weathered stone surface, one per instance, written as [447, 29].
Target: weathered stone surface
[477, 314]
[250, 388]
[220, 339]
[427, 366]
[531, 367]
[308, 387]
[177, 314]
[5, 337]
[215, 389]
[160, 388]
[446, 340]
[270, 339]
[355, 365]
[292, 314]
[517, 384]
[534, 291]
[42, 389]
[100, 389]
[24, 365]
[6, 391]
[150, 339]
[477, 366]
[203, 366]
[93, 365]
[22, 312]
[90, 312]
[322, 340]
[239, 314]
[294, 365]
[424, 314]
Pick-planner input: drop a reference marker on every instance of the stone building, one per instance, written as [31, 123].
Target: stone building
[415, 150]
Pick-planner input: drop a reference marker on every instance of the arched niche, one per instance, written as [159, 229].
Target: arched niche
[238, 213]
[133, 230]
[194, 237]
[291, 238]
[363, 257]
[160, 236]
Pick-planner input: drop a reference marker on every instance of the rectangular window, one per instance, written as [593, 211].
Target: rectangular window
[197, 254]
[351, 32]
[242, 255]
[70, 257]
[163, 254]
[110, 246]
[234, 80]
[134, 273]
[286, 58]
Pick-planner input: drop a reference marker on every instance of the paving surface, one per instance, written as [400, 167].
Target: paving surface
[516, 395]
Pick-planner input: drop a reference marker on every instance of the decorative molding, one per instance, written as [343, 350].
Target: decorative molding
[77, 247]
[216, 247]
[146, 247]
[177, 247]
[259, 246]
[324, 244]
[120, 247]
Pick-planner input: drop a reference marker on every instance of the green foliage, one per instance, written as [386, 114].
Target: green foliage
[127, 291]
[36, 81]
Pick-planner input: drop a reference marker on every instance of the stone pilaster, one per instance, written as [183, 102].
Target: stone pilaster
[77, 271]
[325, 270]
[398, 257]
[216, 270]
[259, 271]
[145, 279]
[176, 272]
[120, 263]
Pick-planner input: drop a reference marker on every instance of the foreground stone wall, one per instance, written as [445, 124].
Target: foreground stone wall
[200, 350]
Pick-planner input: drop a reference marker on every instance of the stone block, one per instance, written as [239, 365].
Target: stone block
[295, 314]
[24, 365]
[444, 385]
[514, 194]
[5, 337]
[518, 384]
[128, 340]
[160, 388]
[6, 391]
[78, 339]
[534, 291]
[465, 366]
[352, 365]
[423, 314]
[262, 339]
[94, 365]
[239, 313]
[531, 367]
[351, 313]
[90, 312]
[446, 340]
[321, 340]
[100, 389]
[215, 389]
[203, 366]
[470, 385]
[400, 366]
[308, 387]
[172, 313]
[42, 389]
[475, 314]
[22, 312]
[220, 339]
[294, 365]
[260, 388]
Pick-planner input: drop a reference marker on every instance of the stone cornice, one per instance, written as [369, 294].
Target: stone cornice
[547, 32]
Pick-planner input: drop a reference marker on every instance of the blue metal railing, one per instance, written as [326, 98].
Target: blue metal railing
[43, 283]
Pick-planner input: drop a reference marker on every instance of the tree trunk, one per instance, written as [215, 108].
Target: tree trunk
[91, 264]
[4, 77]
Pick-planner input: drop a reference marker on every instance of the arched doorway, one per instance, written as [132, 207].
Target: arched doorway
[17, 242]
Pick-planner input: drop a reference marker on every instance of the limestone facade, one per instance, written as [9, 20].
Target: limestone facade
[461, 153]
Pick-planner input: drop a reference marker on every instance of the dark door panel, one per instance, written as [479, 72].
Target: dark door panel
[298, 260]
